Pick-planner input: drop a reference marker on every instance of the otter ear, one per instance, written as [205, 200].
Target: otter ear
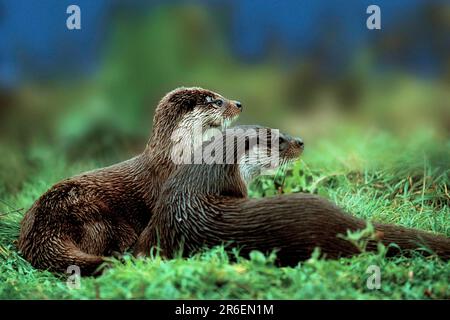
[190, 102]
[189, 99]
[184, 99]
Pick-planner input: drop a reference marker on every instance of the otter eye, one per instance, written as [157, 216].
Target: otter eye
[218, 102]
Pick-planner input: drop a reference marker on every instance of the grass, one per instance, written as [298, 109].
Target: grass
[379, 177]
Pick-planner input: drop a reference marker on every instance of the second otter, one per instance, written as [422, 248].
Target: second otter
[207, 205]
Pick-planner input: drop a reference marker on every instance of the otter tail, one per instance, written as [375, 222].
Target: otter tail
[411, 239]
[59, 255]
[88, 263]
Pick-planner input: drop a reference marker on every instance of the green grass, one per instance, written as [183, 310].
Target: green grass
[374, 175]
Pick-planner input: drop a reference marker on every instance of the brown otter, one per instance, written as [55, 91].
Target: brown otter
[206, 205]
[82, 219]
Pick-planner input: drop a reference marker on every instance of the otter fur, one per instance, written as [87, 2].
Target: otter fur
[81, 220]
[206, 205]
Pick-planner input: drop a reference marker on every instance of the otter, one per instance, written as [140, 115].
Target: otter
[206, 205]
[81, 220]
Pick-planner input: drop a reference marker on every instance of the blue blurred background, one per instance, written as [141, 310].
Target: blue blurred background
[36, 45]
[309, 67]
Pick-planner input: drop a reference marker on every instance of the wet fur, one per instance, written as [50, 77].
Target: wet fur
[81, 220]
[212, 201]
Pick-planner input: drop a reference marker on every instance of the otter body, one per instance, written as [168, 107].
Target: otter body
[81, 220]
[212, 201]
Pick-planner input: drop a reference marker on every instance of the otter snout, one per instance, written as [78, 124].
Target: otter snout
[233, 109]
[238, 105]
[299, 143]
[290, 147]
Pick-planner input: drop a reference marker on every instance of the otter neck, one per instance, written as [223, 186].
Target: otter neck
[188, 188]
[159, 145]
[151, 169]
[209, 179]
[187, 136]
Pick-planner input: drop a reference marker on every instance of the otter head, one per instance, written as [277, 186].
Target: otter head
[266, 149]
[228, 161]
[251, 150]
[189, 112]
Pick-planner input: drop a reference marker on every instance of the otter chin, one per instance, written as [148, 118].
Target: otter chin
[81, 220]
[201, 206]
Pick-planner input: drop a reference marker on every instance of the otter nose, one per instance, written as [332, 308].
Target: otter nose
[299, 142]
[285, 142]
[238, 105]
